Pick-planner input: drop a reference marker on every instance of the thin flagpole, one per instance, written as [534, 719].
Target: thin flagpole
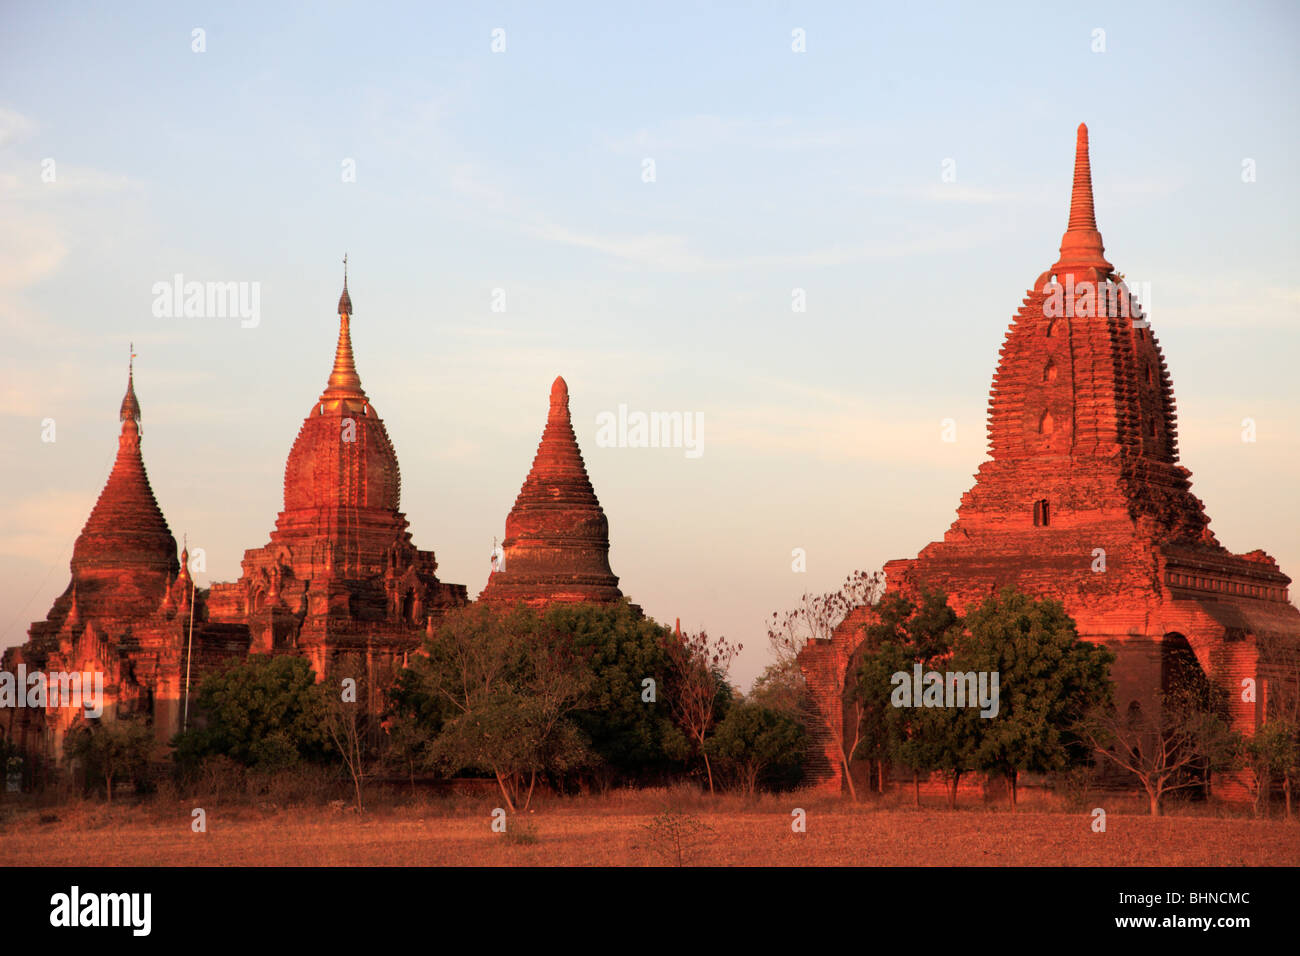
[189, 653]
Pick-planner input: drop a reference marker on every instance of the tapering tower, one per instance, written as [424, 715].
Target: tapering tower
[1083, 499]
[125, 557]
[557, 537]
[340, 577]
[116, 624]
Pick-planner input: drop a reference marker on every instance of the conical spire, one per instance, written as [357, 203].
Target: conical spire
[125, 529]
[344, 382]
[130, 404]
[557, 537]
[1081, 246]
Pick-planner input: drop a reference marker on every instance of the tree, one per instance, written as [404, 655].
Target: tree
[1176, 746]
[1279, 660]
[698, 692]
[814, 619]
[506, 685]
[262, 711]
[1049, 680]
[904, 634]
[345, 725]
[782, 688]
[627, 721]
[113, 750]
[1267, 755]
[760, 745]
[11, 761]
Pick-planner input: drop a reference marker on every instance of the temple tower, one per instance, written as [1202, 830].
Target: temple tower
[1083, 499]
[556, 546]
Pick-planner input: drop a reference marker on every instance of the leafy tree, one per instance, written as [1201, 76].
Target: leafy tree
[506, 686]
[905, 633]
[261, 711]
[630, 730]
[112, 750]
[1267, 755]
[1049, 681]
[760, 745]
[1280, 681]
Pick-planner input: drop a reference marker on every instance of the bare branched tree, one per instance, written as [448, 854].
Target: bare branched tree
[699, 681]
[815, 618]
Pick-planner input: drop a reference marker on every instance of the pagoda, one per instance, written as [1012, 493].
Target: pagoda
[340, 581]
[1083, 499]
[124, 615]
[556, 547]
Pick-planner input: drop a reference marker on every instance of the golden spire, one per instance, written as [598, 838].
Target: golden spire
[1081, 246]
[344, 382]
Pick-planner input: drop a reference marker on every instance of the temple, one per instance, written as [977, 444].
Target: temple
[556, 548]
[124, 614]
[1083, 499]
[340, 581]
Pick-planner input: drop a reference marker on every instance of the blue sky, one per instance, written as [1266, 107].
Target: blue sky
[522, 171]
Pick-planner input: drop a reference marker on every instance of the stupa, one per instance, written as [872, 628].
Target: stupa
[556, 547]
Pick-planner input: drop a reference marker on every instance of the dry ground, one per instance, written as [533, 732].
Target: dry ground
[618, 829]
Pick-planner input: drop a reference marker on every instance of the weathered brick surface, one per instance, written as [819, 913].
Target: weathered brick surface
[557, 537]
[1081, 416]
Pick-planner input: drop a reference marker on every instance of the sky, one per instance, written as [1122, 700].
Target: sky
[635, 197]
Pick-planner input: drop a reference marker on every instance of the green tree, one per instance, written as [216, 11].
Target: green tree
[261, 711]
[905, 633]
[112, 751]
[1049, 680]
[1267, 755]
[760, 746]
[506, 685]
[626, 719]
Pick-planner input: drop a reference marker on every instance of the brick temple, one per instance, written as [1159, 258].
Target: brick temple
[1083, 499]
[556, 548]
[340, 582]
[124, 614]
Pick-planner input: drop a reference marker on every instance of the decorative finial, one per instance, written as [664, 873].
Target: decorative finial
[345, 300]
[559, 400]
[1081, 246]
[344, 383]
[130, 404]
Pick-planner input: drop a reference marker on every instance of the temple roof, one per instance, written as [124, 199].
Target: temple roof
[126, 529]
[342, 457]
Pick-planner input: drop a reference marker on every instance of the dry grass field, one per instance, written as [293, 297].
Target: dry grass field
[620, 829]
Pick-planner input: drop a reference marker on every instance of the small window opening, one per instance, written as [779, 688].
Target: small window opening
[1041, 513]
